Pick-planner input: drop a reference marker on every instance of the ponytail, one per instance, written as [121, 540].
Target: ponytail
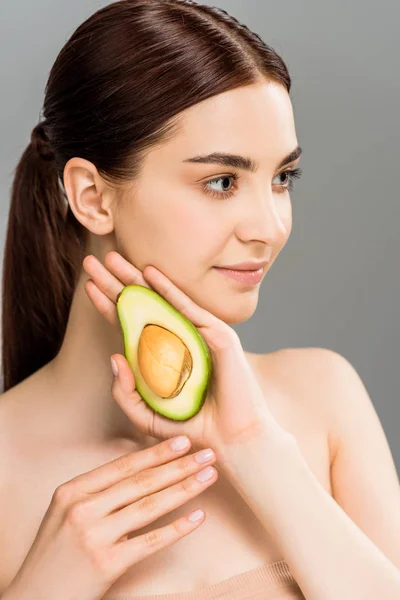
[41, 262]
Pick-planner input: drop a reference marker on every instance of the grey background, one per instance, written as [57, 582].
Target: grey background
[335, 284]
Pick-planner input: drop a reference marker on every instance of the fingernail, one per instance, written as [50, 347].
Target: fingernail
[196, 515]
[205, 474]
[204, 455]
[179, 443]
[114, 367]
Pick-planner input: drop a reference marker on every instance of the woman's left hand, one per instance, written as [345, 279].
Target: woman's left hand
[235, 409]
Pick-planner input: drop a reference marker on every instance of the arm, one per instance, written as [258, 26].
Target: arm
[331, 556]
[364, 478]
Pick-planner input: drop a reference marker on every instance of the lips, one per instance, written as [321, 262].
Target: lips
[246, 276]
[246, 266]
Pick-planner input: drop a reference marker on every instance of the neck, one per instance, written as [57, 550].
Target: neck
[78, 398]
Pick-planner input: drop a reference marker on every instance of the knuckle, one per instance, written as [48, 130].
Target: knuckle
[89, 539]
[110, 291]
[102, 564]
[153, 538]
[108, 564]
[147, 505]
[185, 466]
[124, 463]
[189, 485]
[96, 552]
[78, 513]
[64, 494]
[161, 450]
[176, 527]
[144, 480]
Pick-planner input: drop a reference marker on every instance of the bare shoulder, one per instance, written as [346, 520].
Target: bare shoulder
[305, 375]
[307, 368]
[14, 441]
[328, 386]
[315, 359]
[7, 468]
[363, 473]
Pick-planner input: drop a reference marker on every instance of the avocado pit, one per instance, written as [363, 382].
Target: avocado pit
[164, 361]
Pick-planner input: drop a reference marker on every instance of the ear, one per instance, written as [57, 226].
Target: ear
[90, 198]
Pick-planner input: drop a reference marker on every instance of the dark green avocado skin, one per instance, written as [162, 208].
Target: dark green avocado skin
[141, 294]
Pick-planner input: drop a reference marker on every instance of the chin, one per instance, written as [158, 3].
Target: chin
[239, 313]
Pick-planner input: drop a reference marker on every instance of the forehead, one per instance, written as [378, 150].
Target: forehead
[256, 120]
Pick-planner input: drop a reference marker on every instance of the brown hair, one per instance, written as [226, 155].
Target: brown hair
[114, 91]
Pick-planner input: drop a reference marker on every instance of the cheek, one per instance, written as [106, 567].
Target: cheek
[190, 238]
[190, 228]
[196, 226]
[179, 230]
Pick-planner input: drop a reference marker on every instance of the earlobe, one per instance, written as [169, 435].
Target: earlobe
[88, 196]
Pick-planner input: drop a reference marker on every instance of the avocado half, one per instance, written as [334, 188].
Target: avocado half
[170, 359]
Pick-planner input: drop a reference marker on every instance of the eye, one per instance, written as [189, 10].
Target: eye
[290, 175]
[223, 193]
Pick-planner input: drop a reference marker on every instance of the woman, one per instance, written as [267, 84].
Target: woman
[149, 107]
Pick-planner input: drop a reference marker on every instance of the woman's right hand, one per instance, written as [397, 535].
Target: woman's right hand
[81, 547]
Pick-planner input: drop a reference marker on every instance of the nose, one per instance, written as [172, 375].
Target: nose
[265, 216]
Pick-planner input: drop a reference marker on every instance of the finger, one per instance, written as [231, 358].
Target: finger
[147, 481]
[123, 269]
[164, 286]
[102, 303]
[135, 549]
[149, 508]
[218, 335]
[128, 398]
[137, 410]
[105, 281]
[110, 473]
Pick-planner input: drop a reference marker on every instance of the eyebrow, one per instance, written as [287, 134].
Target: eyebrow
[240, 162]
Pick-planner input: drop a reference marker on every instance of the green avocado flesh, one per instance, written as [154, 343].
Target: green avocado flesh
[159, 351]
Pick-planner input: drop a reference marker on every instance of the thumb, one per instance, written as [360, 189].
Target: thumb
[128, 398]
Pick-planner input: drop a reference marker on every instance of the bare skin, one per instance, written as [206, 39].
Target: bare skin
[63, 420]
[37, 464]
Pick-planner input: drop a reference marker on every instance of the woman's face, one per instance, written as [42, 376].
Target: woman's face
[170, 221]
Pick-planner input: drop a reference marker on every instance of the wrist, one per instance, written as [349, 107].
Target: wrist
[262, 471]
[269, 446]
